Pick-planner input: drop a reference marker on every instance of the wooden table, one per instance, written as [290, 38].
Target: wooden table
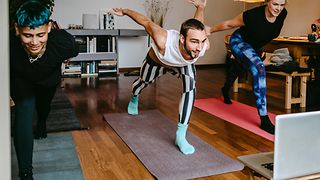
[297, 47]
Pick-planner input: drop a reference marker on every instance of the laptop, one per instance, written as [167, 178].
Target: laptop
[296, 148]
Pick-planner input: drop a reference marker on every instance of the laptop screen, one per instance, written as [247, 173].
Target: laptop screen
[297, 145]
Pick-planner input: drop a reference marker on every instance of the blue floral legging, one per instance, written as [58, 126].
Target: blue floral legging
[249, 58]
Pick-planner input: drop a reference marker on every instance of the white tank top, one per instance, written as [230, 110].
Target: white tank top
[172, 55]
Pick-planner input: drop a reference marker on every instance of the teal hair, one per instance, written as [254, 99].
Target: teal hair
[32, 14]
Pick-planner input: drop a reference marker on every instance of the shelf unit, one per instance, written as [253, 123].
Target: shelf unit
[96, 46]
[98, 51]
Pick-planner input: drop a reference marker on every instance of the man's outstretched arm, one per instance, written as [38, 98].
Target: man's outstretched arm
[200, 5]
[157, 33]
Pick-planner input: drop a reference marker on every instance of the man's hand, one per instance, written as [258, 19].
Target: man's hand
[118, 11]
[198, 3]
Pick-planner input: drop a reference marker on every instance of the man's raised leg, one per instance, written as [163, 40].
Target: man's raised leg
[149, 71]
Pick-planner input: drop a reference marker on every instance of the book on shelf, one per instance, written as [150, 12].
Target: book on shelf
[107, 67]
[88, 67]
[108, 63]
[71, 69]
[93, 44]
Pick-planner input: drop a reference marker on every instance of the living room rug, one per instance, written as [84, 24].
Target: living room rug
[53, 158]
[236, 113]
[62, 116]
[150, 135]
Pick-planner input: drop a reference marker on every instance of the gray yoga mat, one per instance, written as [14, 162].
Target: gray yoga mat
[62, 116]
[150, 135]
[53, 158]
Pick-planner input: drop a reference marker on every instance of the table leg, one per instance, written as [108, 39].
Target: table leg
[288, 93]
[303, 90]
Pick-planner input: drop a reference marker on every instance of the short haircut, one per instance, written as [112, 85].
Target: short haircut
[191, 24]
[32, 14]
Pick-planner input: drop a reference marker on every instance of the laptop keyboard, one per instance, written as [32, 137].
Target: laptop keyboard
[268, 166]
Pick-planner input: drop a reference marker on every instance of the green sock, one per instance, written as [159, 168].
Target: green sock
[133, 105]
[181, 141]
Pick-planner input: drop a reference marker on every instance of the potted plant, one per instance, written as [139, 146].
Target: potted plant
[157, 10]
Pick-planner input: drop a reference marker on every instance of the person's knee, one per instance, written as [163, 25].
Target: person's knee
[258, 70]
[191, 88]
[261, 69]
[25, 104]
[189, 80]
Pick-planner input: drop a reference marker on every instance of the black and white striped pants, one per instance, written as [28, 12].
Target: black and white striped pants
[150, 70]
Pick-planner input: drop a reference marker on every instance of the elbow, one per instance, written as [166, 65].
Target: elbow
[149, 23]
[229, 26]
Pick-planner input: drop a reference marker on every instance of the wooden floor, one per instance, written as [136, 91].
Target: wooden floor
[103, 155]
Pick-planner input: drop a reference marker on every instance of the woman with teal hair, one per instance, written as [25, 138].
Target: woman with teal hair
[36, 54]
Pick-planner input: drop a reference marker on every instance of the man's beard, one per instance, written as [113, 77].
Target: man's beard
[188, 51]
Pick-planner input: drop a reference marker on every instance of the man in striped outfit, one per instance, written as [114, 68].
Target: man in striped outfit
[175, 53]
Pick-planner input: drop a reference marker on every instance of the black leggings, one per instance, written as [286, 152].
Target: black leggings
[23, 130]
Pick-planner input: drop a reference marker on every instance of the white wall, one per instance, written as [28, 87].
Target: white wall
[132, 51]
[217, 11]
[301, 14]
[5, 163]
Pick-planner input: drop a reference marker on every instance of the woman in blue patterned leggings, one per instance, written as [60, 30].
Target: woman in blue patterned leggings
[250, 59]
[257, 27]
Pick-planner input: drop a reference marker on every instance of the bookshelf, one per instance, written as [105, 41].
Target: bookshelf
[97, 48]
[98, 51]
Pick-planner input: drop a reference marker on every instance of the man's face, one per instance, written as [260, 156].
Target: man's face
[34, 39]
[276, 6]
[193, 42]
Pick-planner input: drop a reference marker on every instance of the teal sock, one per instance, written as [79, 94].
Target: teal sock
[133, 105]
[181, 141]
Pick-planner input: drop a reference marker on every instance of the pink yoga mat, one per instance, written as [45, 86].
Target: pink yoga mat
[236, 113]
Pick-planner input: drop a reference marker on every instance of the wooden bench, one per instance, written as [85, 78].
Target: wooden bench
[289, 99]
